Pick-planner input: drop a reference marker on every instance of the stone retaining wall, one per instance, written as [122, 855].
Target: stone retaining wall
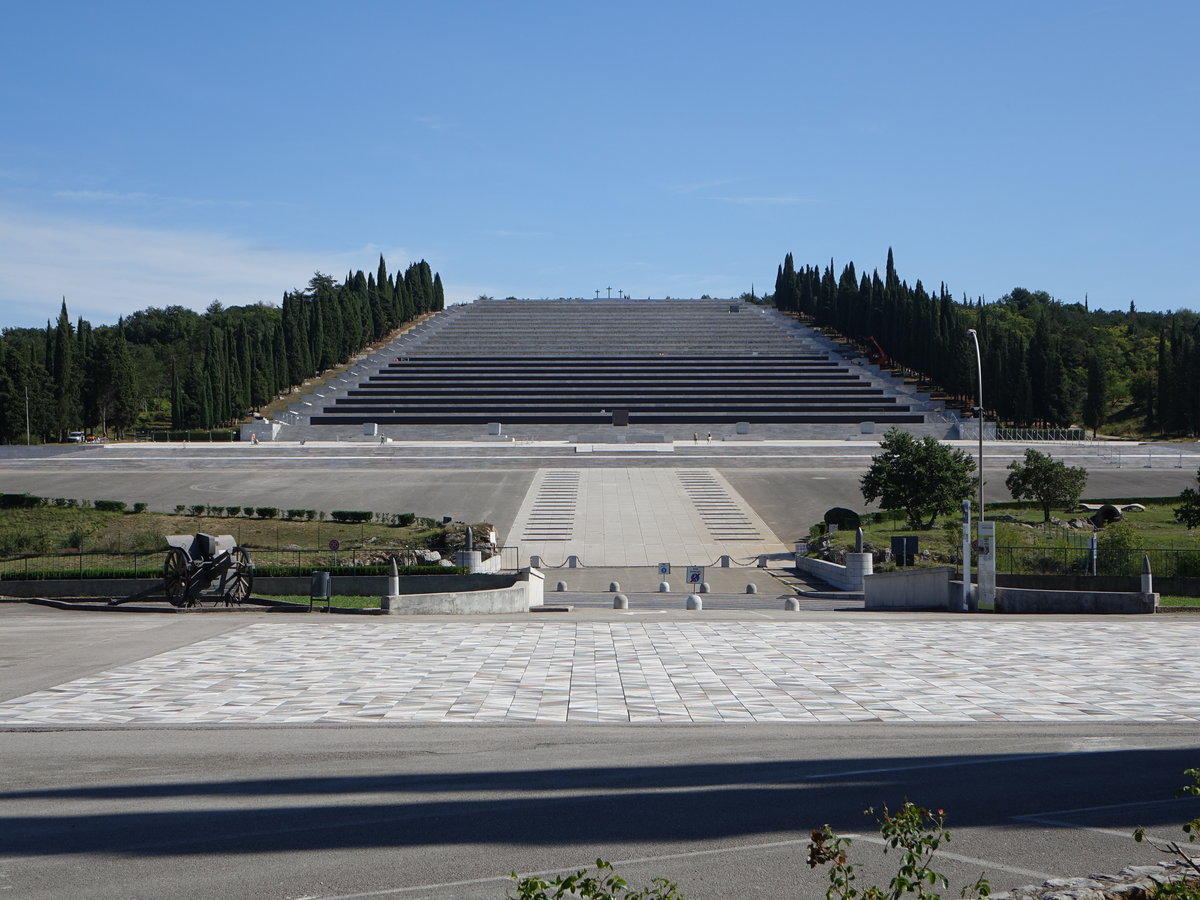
[1131, 883]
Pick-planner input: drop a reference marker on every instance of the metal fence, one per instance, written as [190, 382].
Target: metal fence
[149, 564]
[1165, 563]
[1041, 434]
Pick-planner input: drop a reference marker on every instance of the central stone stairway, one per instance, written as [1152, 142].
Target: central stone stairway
[688, 364]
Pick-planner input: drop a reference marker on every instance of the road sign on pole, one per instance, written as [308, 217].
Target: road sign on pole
[695, 574]
[664, 568]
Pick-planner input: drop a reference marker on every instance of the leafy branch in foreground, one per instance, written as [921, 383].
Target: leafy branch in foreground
[914, 830]
[1191, 829]
[605, 884]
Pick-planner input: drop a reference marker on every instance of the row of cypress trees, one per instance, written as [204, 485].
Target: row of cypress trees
[1045, 362]
[197, 370]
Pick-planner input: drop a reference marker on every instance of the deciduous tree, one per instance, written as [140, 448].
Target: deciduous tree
[925, 478]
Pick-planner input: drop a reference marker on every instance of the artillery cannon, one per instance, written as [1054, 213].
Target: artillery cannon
[202, 570]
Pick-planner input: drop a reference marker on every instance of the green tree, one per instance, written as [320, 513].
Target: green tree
[1095, 404]
[925, 478]
[1189, 512]
[1044, 479]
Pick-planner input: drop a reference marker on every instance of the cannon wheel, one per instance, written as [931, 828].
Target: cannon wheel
[243, 577]
[175, 577]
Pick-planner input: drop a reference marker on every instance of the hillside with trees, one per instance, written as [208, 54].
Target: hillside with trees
[197, 370]
[1045, 362]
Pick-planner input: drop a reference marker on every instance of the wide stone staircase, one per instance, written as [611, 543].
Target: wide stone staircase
[547, 366]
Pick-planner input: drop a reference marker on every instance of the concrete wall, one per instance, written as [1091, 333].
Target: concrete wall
[1019, 600]
[518, 598]
[908, 589]
[1182, 587]
[846, 578]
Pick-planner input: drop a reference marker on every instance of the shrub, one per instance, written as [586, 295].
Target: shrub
[110, 505]
[197, 509]
[233, 511]
[248, 511]
[179, 508]
[406, 519]
[139, 508]
[350, 516]
[266, 512]
[20, 501]
[295, 514]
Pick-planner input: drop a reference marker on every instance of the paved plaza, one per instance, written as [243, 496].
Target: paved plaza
[648, 669]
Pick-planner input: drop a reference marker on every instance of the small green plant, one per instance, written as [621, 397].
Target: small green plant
[916, 832]
[605, 884]
[266, 512]
[139, 508]
[110, 505]
[1181, 890]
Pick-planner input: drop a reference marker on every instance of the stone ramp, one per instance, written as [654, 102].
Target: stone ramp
[638, 517]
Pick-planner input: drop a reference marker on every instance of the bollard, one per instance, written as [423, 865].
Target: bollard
[762, 561]
[751, 589]
[704, 587]
[694, 602]
[620, 601]
[614, 586]
[664, 587]
[791, 604]
[535, 561]
[561, 586]
[572, 562]
[725, 561]
[1147, 577]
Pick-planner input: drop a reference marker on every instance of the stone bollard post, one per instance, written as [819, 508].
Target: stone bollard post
[791, 604]
[664, 587]
[1147, 576]
[393, 587]
[560, 586]
[694, 602]
[614, 586]
[620, 601]
[858, 565]
[725, 561]
[762, 561]
[704, 587]
[752, 589]
[572, 562]
[535, 561]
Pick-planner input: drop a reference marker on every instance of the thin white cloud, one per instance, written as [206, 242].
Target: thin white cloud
[106, 271]
[435, 123]
[504, 232]
[700, 186]
[141, 199]
[785, 200]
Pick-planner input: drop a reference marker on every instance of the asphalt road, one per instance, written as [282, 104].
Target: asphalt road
[447, 811]
[790, 487]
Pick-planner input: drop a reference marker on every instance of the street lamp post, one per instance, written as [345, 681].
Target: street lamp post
[979, 415]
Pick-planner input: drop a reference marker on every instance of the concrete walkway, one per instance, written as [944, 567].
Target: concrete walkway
[647, 666]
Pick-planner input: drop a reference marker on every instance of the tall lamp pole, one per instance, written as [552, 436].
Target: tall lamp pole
[979, 414]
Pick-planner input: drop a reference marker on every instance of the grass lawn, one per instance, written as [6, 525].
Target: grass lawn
[1179, 601]
[1019, 526]
[345, 602]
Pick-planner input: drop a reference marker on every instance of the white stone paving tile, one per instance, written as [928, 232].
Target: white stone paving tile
[954, 671]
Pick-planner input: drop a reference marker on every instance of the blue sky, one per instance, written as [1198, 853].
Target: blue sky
[156, 154]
